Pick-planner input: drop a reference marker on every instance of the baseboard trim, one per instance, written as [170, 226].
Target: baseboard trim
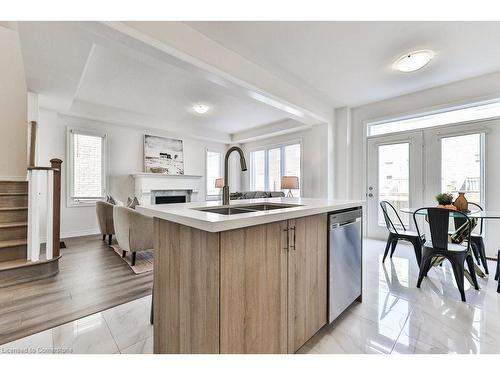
[74, 233]
[79, 233]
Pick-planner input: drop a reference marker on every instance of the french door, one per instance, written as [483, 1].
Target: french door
[394, 174]
[408, 170]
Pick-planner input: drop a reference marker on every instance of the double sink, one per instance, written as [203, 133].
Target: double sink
[245, 209]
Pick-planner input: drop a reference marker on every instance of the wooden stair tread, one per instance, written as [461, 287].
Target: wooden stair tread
[14, 224]
[11, 243]
[13, 208]
[8, 264]
[13, 194]
[18, 263]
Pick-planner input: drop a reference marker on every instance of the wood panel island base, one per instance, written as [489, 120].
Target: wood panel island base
[226, 284]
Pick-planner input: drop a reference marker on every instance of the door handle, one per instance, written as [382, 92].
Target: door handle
[287, 240]
[294, 237]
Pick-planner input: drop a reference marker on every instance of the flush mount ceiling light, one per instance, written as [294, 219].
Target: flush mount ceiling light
[201, 108]
[413, 61]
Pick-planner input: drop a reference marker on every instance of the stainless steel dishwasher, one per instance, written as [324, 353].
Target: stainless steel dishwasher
[344, 264]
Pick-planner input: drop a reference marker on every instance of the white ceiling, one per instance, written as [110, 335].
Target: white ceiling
[78, 68]
[350, 62]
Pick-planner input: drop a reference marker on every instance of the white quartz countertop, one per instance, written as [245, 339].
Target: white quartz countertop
[186, 213]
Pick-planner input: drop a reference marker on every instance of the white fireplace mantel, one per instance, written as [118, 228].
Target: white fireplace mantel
[169, 176]
[144, 183]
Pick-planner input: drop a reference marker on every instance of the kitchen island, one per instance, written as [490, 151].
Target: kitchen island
[246, 278]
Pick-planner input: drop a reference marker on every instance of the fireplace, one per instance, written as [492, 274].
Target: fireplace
[162, 199]
[148, 186]
[170, 196]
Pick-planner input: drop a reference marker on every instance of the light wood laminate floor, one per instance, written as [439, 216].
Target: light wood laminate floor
[91, 278]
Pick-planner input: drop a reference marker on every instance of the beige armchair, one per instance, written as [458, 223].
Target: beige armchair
[134, 231]
[104, 211]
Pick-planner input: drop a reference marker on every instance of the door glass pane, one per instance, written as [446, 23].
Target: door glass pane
[274, 161]
[393, 179]
[461, 166]
[292, 164]
[258, 169]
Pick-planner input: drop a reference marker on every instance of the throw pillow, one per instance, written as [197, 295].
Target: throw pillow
[260, 194]
[131, 203]
[236, 195]
[277, 194]
[110, 199]
[249, 195]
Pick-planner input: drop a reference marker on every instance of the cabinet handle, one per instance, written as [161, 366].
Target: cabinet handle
[287, 240]
[294, 237]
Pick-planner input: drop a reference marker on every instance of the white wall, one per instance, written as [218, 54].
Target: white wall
[13, 108]
[125, 157]
[343, 152]
[314, 144]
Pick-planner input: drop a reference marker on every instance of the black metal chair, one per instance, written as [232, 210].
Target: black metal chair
[396, 234]
[438, 246]
[477, 242]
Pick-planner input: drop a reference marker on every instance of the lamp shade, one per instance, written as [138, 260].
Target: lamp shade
[219, 183]
[289, 182]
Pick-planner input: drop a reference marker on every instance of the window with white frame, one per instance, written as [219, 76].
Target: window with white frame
[473, 112]
[269, 165]
[214, 171]
[86, 177]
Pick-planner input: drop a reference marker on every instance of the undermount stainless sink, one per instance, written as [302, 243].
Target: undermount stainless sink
[269, 206]
[224, 210]
[245, 209]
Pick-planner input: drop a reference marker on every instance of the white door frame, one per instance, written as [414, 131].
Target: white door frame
[416, 173]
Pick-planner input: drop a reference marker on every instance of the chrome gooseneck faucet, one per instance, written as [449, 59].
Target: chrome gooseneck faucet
[225, 189]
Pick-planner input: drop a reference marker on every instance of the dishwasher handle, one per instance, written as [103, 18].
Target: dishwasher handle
[345, 223]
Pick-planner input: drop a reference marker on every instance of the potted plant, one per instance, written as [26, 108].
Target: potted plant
[445, 200]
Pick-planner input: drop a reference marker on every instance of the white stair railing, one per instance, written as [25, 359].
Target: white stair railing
[44, 184]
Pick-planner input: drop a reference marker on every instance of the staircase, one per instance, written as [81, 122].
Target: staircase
[15, 265]
[21, 258]
[13, 223]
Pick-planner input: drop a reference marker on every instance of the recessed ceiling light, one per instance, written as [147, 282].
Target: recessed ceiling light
[201, 108]
[413, 60]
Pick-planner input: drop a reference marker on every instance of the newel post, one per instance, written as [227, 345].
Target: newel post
[56, 240]
[32, 150]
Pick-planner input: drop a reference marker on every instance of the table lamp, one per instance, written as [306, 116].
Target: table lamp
[289, 182]
[219, 183]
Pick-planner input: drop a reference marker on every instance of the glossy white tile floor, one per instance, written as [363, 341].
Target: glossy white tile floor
[395, 317]
[122, 329]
